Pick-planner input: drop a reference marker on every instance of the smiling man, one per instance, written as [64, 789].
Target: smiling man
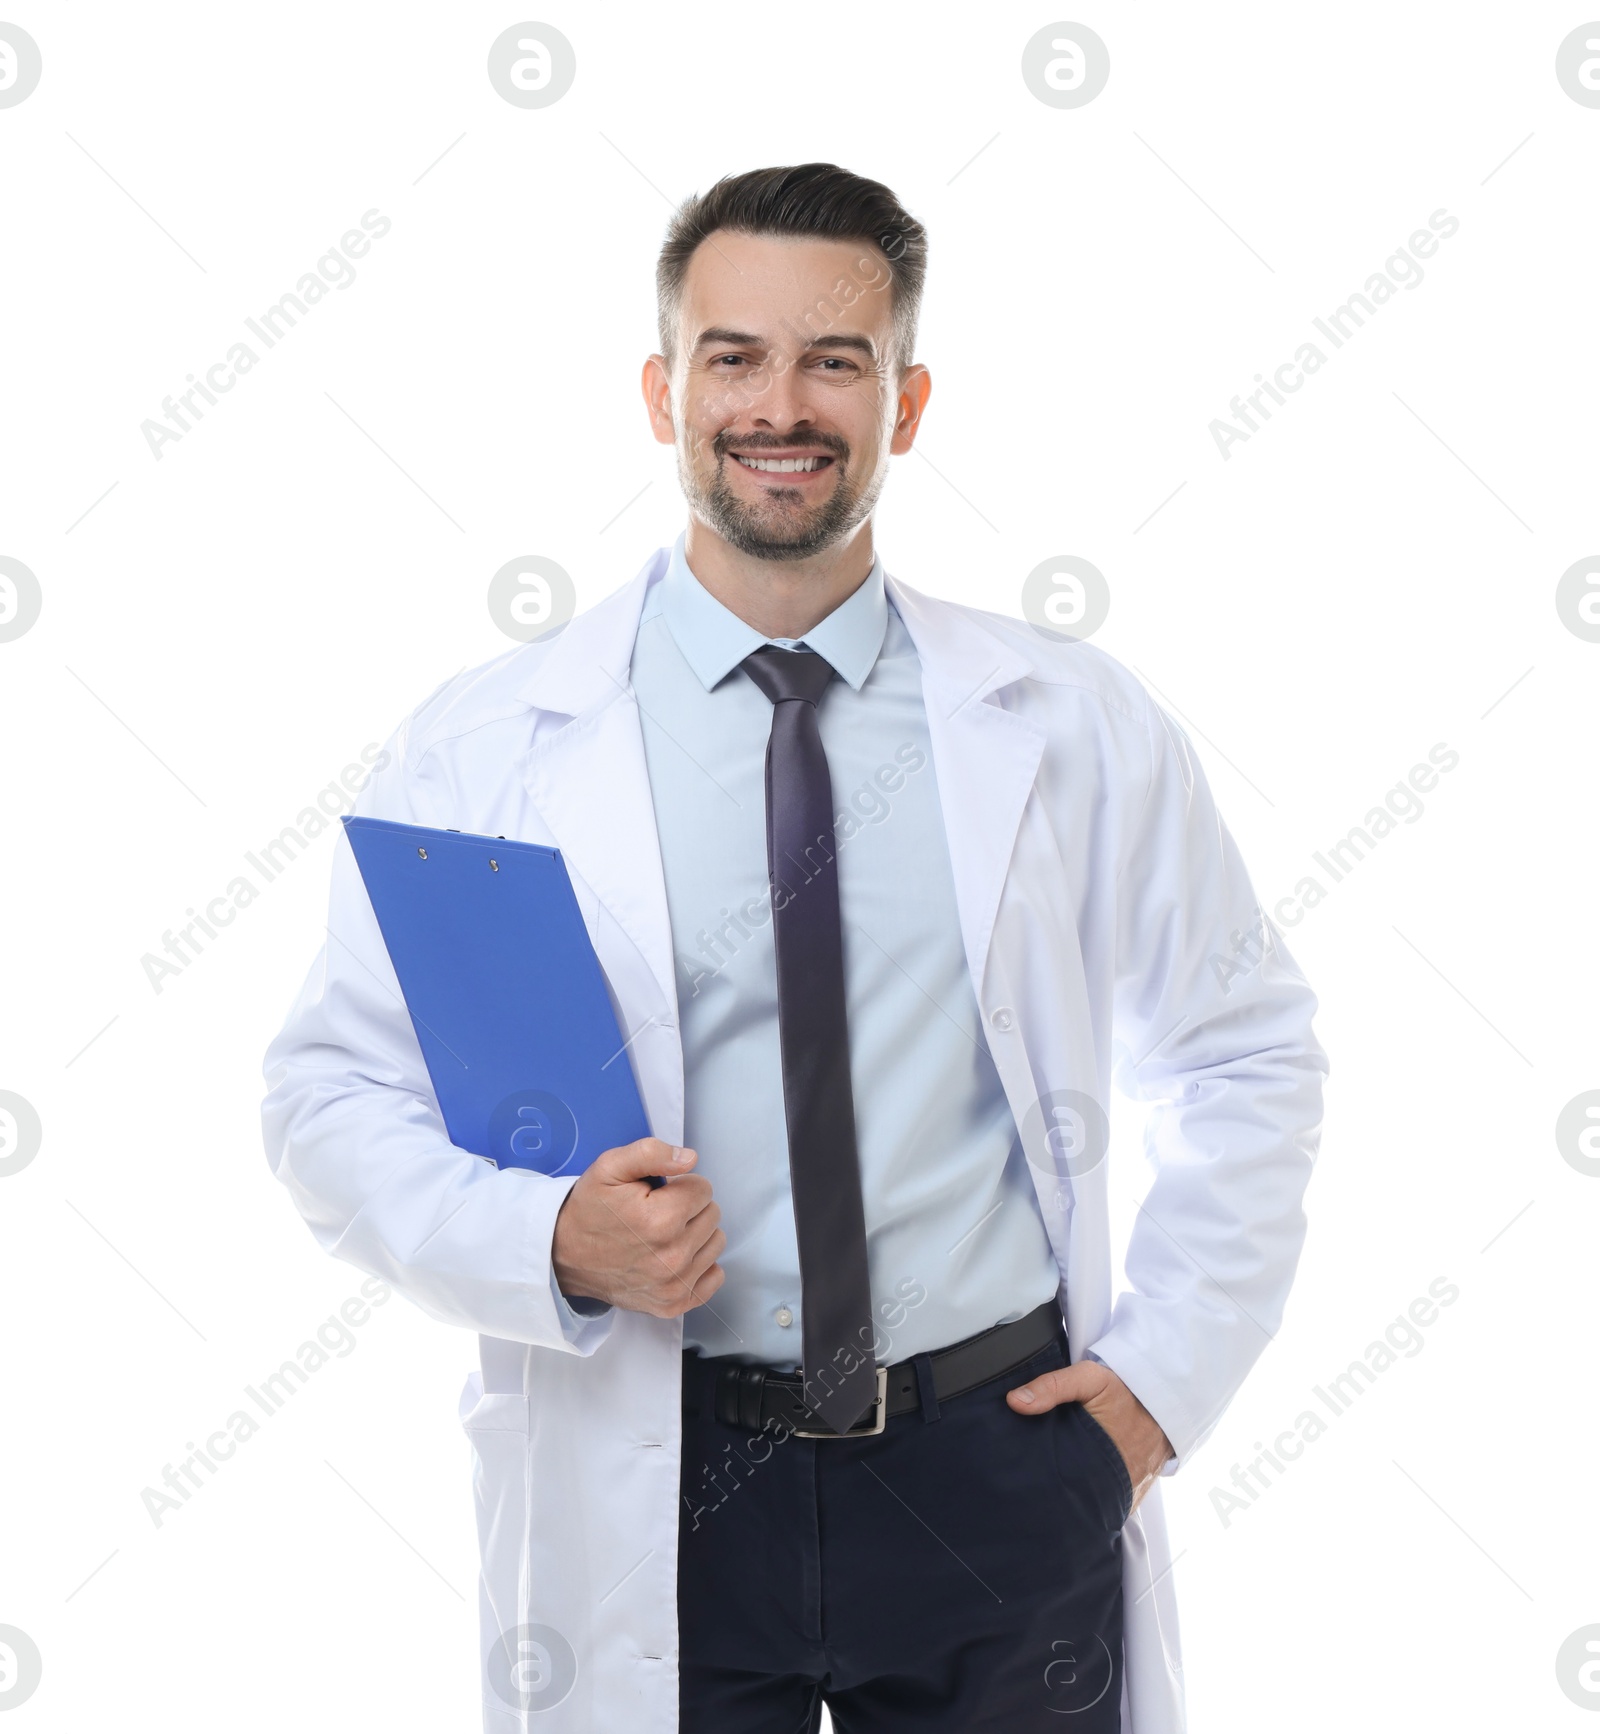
[845, 1411]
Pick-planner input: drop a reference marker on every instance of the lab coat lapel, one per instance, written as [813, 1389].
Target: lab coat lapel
[985, 757]
[591, 784]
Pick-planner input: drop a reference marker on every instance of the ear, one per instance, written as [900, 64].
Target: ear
[656, 384]
[915, 389]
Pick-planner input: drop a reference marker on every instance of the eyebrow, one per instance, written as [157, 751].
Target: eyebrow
[748, 340]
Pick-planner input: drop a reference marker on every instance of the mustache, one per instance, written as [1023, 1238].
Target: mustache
[724, 442]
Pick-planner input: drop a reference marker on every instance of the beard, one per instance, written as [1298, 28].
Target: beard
[782, 526]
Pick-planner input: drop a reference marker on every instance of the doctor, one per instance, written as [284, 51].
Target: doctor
[888, 891]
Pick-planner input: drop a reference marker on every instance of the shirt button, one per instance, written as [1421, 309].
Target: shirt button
[1000, 1017]
[784, 1316]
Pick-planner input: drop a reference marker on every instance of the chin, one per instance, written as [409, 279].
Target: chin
[778, 548]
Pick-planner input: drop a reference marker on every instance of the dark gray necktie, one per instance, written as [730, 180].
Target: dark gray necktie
[824, 1173]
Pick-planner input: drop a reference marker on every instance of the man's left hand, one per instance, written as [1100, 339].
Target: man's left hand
[1133, 1429]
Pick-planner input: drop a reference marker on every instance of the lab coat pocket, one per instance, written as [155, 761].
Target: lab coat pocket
[496, 1423]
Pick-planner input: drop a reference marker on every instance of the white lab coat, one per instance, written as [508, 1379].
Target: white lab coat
[1100, 900]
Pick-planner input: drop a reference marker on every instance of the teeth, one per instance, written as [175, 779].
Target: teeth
[780, 464]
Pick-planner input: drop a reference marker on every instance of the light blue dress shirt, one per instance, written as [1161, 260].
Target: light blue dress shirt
[955, 1238]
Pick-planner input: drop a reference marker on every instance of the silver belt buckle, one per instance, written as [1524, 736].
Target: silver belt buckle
[880, 1413]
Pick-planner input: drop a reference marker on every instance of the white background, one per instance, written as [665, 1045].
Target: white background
[228, 626]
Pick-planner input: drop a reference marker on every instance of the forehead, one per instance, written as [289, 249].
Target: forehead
[764, 283]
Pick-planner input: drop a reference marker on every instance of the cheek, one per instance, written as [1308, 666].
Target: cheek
[697, 428]
[699, 411]
[708, 405]
[869, 446]
[856, 414]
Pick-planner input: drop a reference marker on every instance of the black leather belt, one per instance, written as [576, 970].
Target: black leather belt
[761, 1398]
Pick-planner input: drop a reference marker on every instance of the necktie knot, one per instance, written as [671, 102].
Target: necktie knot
[783, 674]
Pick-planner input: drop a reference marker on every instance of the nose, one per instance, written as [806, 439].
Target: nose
[772, 398]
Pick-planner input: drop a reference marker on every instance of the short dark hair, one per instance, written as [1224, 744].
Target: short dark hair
[820, 200]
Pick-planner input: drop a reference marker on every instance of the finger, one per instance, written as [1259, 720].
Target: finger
[688, 1286]
[671, 1282]
[674, 1303]
[1059, 1385]
[711, 1279]
[645, 1156]
[706, 1284]
[659, 1222]
[672, 1257]
[700, 1221]
[711, 1246]
[675, 1207]
[703, 1252]
[695, 1270]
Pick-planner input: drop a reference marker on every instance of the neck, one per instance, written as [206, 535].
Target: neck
[779, 598]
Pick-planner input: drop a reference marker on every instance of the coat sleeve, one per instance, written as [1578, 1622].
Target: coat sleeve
[1211, 1024]
[352, 1128]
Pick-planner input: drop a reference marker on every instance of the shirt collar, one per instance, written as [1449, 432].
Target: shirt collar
[714, 639]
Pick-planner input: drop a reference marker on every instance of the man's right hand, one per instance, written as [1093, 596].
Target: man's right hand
[647, 1249]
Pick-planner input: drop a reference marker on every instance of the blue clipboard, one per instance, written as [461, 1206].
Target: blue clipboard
[505, 992]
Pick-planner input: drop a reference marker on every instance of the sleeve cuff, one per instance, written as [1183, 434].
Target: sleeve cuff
[573, 1311]
[1163, 1405]
[584, 1323]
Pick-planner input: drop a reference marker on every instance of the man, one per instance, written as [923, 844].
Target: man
[886, 891]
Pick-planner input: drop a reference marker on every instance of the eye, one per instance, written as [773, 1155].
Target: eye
[717, 360]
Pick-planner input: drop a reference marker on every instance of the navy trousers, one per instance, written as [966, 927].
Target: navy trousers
[959, 1573]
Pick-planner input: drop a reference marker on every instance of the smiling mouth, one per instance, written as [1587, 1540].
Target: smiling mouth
[782, 466]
